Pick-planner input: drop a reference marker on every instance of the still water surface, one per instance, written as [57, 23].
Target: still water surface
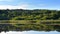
[30, 32]
[29, 29]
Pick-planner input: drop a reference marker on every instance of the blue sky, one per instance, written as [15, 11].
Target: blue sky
[30, 4]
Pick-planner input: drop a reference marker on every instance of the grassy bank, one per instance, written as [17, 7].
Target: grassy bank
[29, 21]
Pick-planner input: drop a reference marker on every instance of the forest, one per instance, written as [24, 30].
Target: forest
[25, 20]
[36, 14]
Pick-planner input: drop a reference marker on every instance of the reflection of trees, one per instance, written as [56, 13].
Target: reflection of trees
[57, 28]
[27, 27]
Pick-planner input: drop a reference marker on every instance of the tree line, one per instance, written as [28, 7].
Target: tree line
[36, 14]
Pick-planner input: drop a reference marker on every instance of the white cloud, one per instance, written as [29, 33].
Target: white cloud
[23, 6]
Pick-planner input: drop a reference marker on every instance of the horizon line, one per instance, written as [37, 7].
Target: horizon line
[29, 9]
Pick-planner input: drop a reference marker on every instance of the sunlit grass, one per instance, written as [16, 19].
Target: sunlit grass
[29, 21]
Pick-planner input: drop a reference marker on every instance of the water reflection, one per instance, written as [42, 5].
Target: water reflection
[28, 27]
[30, 32]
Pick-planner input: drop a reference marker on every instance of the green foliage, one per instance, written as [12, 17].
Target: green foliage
[20, 14]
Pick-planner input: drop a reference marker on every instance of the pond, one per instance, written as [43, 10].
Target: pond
[30, 32]
[29, 29]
